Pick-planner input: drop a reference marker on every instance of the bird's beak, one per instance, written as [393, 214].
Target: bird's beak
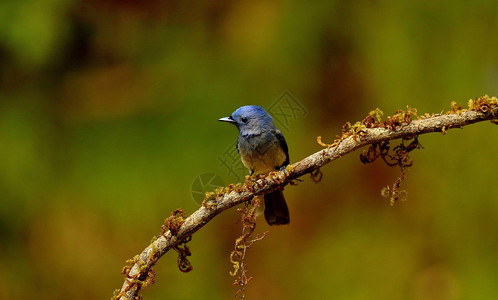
[227, 119]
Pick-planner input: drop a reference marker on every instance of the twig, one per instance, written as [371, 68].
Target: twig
[370, 132]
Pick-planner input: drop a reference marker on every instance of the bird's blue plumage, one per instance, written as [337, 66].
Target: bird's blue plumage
[263, 149]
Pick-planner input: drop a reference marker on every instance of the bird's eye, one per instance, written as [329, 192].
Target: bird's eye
[243, 119]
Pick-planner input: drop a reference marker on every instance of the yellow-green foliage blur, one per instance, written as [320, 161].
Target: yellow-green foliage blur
[108, 115]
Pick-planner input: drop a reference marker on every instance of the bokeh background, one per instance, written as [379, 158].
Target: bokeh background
[108, 114]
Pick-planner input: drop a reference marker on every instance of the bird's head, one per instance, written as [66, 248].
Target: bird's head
[250, 119]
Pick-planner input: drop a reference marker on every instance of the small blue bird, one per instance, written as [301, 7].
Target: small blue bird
[263, 149]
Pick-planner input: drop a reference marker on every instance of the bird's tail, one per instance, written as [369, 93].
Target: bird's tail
[276, 211]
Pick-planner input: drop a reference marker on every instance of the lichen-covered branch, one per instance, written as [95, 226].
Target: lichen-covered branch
[404, 124]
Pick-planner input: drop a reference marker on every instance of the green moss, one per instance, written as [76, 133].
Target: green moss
[376, 114]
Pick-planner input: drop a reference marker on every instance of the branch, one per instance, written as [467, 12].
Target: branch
[364, 133]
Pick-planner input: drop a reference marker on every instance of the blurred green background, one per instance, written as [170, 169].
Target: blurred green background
[108, 113]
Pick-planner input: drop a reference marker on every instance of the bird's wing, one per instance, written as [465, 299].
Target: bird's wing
[280, 137]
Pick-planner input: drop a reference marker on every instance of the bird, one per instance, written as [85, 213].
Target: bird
[263, 149]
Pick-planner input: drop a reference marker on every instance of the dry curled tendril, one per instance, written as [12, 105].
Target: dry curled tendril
[183, 253]
[316, 175]
[398, 156]
[173, 223]
[244, 242]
